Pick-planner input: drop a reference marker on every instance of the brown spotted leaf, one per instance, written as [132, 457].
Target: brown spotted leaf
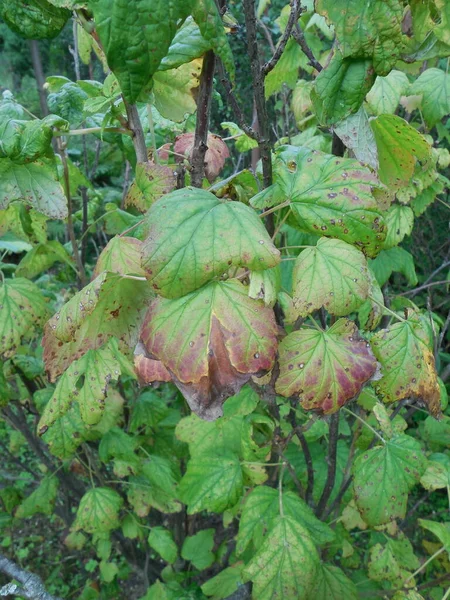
[328, 195]
[152, 181]
[110, 306]
[324, 369]
[194, 236]
[407, 365]
[215, 156]
[22, 308]
[332, 274]
[121, 255]
[211, 341]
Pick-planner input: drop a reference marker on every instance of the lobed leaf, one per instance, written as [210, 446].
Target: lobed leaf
[152, 181]
[98, 511]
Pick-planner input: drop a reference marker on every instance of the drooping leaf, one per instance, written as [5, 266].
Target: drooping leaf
[384, 97]
[121, 255]
[110, 306]
[41, 258]
[198, 549]
[98, 511]
[243, 142]
[357, 136]
[286, 565]
[400, 148]
[136, 37]
[35, 184]
[26, 141]
[42, 500]
[434, 87]
[175, 90]
[185, 246]
[215, 156]
[224, 583]
[212, 482]
[340, 88]
[325, 369]
[152, 181]
[407, 365]
[367, 29]
[161, 540]
[399, 223]
[265, 285]
[383, 476]
[329, 196]
[332, 274]
[187, 44]
[34, 19]
[22, 308]
[394, 260]
[333, 584]
[371, 311]
[440, 530]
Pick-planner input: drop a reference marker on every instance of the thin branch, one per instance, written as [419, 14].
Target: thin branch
[332, 463]
[296, 10]
[299, 37]
[309, 465]
[202, 121]
[31, 585]
[424, 287]
[88, 130]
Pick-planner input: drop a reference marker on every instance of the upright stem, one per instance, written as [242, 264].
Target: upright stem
[332, 463]
[202, 122]
[135, 125]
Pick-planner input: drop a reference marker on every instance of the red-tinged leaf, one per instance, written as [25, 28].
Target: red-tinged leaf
[110, 306]
[211, 341]
[149, 370]
[121, 255]
[324, 369]
[215, 156]
[152, 181]
[407, 365]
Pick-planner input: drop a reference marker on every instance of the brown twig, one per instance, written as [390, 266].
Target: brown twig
[296, 10]
[332, 463]
[299, 37]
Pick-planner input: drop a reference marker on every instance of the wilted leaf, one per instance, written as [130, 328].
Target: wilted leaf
[265, 285]
[152, 181]
[22, 308]
[215, 156]
[325, 369]
[194, 236]
[383, 476]
[407, 365]
[98, 511]
[332, 274]
[42, 500]
[384, 97]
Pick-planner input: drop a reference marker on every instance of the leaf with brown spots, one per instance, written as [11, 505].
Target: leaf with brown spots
[22, 308]
[407, 365]
[152, 181]
[121, 255]
[329, 196]
[383, 476]
[211, 341]
[215, 156]
[112, 305]
[324, 369]
[194, 236]
[332, 274]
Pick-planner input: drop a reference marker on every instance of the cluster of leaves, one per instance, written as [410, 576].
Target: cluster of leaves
[259, 299]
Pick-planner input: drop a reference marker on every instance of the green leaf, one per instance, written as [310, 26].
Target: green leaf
[26, 141]
[224, 584]
[112, 305]
[285, 71]
[65, 435]
[357, 136]
[329, 196]
[400, 149]
[212, 341]
[339, 354]
[187, 44]
[243, 142]
[152, 181]
[399, 222]
[383, 476]
[340, 88]
[261, 510]
[212, 482]
[301, 100]
[217, 436]
[371, 311]
[148, 411]
[265, 285]
[98, 511]
[121, 255]
[440, 530]
[437, 474]
[442, 30]
[134, 52]
[198, 549]
[434, 87]
[286, 565]
[184, 248]
[396, 260]
[367, 29]
[161, 540]
[175, 90]
[22, 307]
[424, 198]
[332, 274]
[41, 258]
[407, 365]
[333, 584]
[42, 500]
[108, 571]
[143, 497]
[117, 444]
[35, 184]
[34, 19]
[68, 102]
[384, 97]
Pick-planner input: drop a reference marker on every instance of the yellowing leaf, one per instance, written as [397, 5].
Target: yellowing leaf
[175, 90]
[152, 181]
[332, 274]
[98, 511]
[324, 369]
[211, 341]
[194, 236]
[121, 255]
[384, 97]
[399, 222]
